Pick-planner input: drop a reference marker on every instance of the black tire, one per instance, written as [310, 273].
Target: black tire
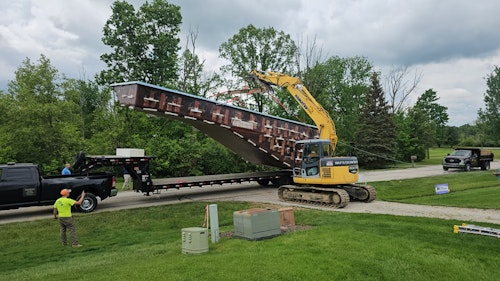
[445, 168]
[281, 181]
[89, 203]
[485, 165]
[467, 167]
[263, 182]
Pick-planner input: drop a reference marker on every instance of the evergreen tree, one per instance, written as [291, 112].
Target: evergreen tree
[375, 139]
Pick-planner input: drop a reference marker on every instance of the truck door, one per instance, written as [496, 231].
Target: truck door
[18, 185]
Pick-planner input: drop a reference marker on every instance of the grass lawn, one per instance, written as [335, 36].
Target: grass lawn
[145, 244]
[476, 189]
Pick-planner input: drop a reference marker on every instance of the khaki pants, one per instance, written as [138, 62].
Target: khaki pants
[68, 223]
[126, 181]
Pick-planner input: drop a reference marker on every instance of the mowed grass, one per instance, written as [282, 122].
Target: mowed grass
[475, 189]
[145, 244]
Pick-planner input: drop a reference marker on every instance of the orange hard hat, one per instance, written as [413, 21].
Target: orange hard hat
[64, 192]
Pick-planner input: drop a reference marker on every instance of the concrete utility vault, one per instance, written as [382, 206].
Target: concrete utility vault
[259, 138]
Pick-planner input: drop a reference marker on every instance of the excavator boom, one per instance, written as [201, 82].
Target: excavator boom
[296, 88]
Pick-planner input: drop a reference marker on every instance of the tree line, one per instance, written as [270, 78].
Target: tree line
[47, 117]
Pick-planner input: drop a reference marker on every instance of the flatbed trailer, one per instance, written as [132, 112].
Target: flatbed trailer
[138, 168]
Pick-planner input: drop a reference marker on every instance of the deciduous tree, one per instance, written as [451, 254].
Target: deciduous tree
[261, 49]
[144, 43]
[428, 119]
[41, 122]
[489, 117]
[340, 86]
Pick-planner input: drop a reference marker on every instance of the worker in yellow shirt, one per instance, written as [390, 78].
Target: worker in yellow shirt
[62, 208]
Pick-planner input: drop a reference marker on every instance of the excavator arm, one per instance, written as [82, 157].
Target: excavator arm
[296, 88]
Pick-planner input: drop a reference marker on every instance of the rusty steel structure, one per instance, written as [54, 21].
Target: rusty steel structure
[257, 137]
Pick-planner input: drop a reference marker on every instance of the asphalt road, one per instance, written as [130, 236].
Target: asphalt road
[254, 192]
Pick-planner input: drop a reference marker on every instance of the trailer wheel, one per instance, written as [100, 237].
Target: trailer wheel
[89, 203]
[263, 182]
[467, 167]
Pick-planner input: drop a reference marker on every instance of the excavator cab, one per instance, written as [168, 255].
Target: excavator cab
[315, 164]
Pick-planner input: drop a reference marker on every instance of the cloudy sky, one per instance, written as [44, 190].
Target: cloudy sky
[454, 44]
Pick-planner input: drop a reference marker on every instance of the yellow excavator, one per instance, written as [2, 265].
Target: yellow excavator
[319, 177]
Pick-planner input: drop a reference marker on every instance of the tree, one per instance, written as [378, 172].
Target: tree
[376, 136]
[429, 119]
[406, 140]
[340, 86]
[7, 103]
[40, 124]
[192, 78]
[400, 88]
[91, 101]
[489, 118]
[260, 49]
[452, 136]
[144, 43]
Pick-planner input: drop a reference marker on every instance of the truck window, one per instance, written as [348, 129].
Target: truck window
[461, 153]
[21, 173]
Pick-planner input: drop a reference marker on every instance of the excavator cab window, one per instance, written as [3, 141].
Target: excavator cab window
[327, 150]
[310, 164]
[311, 152]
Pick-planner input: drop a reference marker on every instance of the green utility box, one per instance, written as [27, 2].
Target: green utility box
[255, 224]
[194, 240]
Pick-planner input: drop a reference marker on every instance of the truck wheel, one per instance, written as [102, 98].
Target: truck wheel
[89, 203]
[467, 167]
[445, 168]
[485, 165]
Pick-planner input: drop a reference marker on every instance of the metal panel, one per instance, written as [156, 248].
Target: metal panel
[255, 224]
[194, 240]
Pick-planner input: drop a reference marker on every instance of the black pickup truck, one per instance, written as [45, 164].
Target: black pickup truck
[22, 185]
[466, 158]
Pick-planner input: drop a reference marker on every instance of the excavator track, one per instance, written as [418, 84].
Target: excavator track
[332, 197]
[363, 193]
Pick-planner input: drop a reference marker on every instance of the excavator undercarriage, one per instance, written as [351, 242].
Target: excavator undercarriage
[336, 197]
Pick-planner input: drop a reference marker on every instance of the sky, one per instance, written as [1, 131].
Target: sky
[453, 44]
